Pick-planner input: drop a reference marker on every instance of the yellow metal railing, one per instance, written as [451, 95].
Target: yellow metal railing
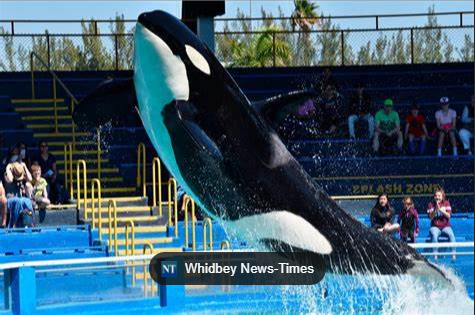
[96, 184]
[68, 168]
[172, 201]
[99, 153]
[146, 246]
[56, 80]
[142, 168]
[207, 223]
[225, 245]
[78, 185]
[189, 203]
[112, 209]
[157, 184]
[130, 225]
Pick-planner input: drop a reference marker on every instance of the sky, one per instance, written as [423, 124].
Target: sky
[44, 10]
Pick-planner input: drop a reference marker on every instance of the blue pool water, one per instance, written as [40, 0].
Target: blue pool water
[109, 288]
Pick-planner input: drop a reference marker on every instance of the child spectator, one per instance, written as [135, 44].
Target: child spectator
[18, 180]
[360, 109]
[466, 133]
[446, 119]
[382, 216]
[416, 130]
[440, 211]
[388, 128]
[40, 193]
[47, 162]
[408, 221]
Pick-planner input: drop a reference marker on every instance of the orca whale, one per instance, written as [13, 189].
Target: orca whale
[224, 151]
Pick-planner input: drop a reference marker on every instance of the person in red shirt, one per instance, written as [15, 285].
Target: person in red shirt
[416, 130]
[440, 211]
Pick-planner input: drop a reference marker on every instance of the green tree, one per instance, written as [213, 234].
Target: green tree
[303, 19]
[467, 51]
[123, 41]
[329, 44]
[364, 54]
[7, 62]
[93, 54]
[262, 51]
[397, 49]
[379, 54]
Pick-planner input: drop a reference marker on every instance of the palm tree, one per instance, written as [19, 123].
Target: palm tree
[259, 52]
[304, 17]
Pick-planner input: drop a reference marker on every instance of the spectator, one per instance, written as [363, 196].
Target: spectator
[47, 162]
[416, 130]
[446, 119]
[408, 221]
[466, 133]
[18, 180]
[21, 212]
[388, 128]
[360, 109]
[23, 153]
[325, 79]
[12, 156]
[440, 211]
[382, 216]
[40, 193]
[3, 205]
[329, 113]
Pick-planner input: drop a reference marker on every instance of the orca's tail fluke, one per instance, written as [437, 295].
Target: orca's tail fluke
[430, 271]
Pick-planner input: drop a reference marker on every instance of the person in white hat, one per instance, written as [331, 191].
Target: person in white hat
[446, 119]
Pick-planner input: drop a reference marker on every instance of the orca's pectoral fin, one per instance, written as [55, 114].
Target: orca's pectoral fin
[276, 108]
[282, 231]
[112, 101]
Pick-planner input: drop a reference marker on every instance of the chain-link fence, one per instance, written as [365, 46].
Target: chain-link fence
[69, 52]
[346, 47]
[272, 43]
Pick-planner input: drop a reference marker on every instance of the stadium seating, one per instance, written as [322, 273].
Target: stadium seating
[335, 162]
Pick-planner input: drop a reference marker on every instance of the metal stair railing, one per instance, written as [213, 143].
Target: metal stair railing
[56, 80]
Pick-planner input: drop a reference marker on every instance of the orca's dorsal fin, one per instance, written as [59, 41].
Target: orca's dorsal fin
[276, 108]
[113, 100]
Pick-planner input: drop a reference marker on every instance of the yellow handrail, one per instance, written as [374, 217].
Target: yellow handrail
[145, 271]
[68, 168]
[96, 183]
[187, 202]
[112, 209]
[78, 183]
[55, 79]
[225, 244]
[73, 102]
[55, 108]
[130, 224]
[142, 168]
[99, 162]
[157, 183]
[207, 223]
[172, 183]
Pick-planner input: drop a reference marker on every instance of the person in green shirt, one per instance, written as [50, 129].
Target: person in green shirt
[388, 128]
